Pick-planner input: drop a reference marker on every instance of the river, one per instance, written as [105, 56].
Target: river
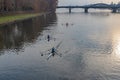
[89, 45]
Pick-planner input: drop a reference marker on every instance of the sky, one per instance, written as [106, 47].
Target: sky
[84, 2]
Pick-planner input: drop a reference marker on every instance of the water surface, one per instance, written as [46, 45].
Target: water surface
[90, 47]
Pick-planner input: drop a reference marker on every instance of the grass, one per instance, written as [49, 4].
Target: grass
[12, 18]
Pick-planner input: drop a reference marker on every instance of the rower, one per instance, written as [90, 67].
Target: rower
[48, 37]
[53, 51]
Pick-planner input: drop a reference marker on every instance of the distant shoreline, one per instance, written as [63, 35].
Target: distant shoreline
[9, 19]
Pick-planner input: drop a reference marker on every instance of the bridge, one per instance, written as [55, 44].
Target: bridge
[112, 7]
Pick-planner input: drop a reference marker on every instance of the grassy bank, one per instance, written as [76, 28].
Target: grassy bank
[12, 18]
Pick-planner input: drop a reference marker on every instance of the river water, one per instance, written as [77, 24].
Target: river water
[89, 44]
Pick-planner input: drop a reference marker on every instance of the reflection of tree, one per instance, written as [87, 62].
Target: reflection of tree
[1, 41]
[14, 36]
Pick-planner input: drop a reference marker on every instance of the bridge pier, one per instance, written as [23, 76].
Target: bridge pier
[86, 10]
[70, 10]
[114, 10]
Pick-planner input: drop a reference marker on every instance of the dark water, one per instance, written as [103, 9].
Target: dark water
[90, 47]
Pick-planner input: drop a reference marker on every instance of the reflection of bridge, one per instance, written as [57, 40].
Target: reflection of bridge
[114, 8]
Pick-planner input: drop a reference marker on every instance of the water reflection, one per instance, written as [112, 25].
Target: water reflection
[116, 44]
[14, 36]
[100, 14]
[90, 48]
[115, 35]
[97, 36]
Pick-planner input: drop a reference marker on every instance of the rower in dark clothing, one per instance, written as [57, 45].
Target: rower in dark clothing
[48, 37]
[53, 51]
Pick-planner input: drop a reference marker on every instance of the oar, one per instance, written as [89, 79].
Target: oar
[58, 45]
[49, 56]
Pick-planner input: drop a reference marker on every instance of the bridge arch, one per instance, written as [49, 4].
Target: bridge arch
[114, 8]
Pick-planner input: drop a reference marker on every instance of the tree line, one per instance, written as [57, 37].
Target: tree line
[27, 5]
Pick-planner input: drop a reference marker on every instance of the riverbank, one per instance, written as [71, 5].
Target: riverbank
[18, 17]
